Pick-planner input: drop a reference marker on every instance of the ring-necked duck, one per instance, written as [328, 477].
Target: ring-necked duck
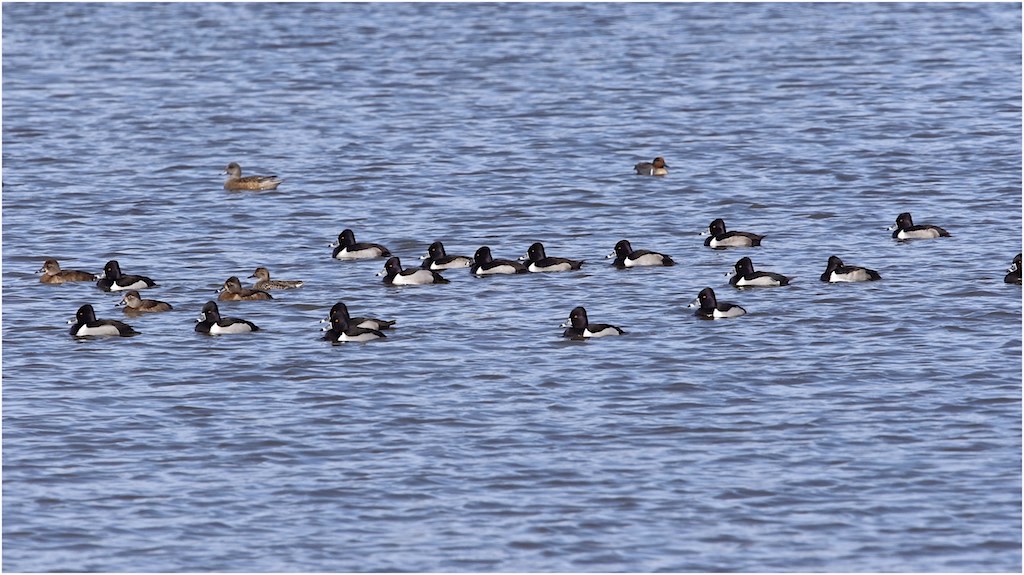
[656, 168]
[212, 323]
[85, 324]
[723, 239]
[340, 309]
[342, 330]
[233, 291]
[484, 264]
[906, 230]
[347, 248]
[626, 257]
[263, 281]
[708, 306]
[579, 327]
[114, 280]
[395, 275]
[745, 276]
[836, 271]
[1014, 276]
[52, 274]
[536, 260]
[235, 180]
[134, 304]
[437, 259]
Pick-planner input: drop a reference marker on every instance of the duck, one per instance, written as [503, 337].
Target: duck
[134, 304]
[437, 259]
[340, 309]
[233, 291]
[52, 274]
[656, 168]
[85, 324]
[1014, 276]
[626, 257]
[836, 272]
[346, 248]
[263, 281]
[343, 331]
[708, 306]
[235, 180]
[210, 322]
[745, 276]
[114, 280]
[395, 275]
[906, 230]
[579, 327]
[484, 264]
[723, 239]
[536, 260]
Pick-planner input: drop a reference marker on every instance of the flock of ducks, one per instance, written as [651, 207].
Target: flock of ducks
[344, 328]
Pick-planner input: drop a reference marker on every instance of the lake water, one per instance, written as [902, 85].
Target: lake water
[836, 427]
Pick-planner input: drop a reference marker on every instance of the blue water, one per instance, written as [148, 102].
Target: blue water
[836, 427]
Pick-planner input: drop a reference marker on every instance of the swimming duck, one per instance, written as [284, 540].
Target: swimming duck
[836, 272]
[211, 322]
[85, 324]
[395, 275]
[745, 276]
[708, 306]
[263, 281]
[233, 291]
[536, 260]
[342, 331]
[579, 327]
[1014, 276]
[656, 168]
[626, 257]
[723, 239]
[437, 259]
[52, 274]
[347, 248]
[235, 181]
[484, 264]
[134, 304]
[906, 230]
[340, 309]
[114, 280]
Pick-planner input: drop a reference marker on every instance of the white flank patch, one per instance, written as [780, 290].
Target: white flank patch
[454, 264]
[854, 276]
[762, 281]
[502, 269]
[603, 333]
[734, 311]
[344, 254]
[137, 285]
[925, 234]
[733, 242]
[98, 330]
[237, 327]
[562, 267]
[360, 337]
[645, 260]
[419, 277]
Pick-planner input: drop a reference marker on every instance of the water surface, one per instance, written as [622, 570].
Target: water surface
[863, 427]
